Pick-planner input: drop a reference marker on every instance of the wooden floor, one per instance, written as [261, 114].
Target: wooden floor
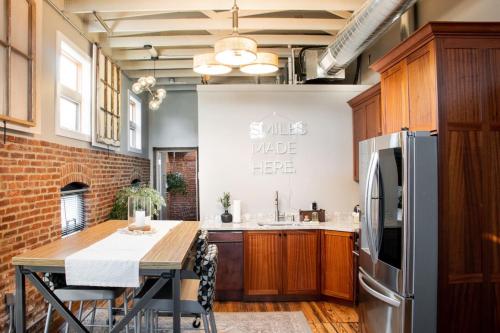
[322, 316]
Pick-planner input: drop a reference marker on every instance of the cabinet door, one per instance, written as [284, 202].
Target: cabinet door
[337, 264]
[301, 263]
[422, 90]
[358, 134]
[373, 124]
[262, 267]
[394, 98]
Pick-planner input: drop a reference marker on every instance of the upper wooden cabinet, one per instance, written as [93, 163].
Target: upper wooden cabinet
[365, 121]
[337, 278]
[409, 89]
[281, 263]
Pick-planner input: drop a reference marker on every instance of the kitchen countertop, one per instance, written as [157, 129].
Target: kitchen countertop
[334, 226]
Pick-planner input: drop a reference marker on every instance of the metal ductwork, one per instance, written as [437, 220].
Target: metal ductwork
[362, 29]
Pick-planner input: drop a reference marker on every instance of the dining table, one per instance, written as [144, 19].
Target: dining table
[164, 260]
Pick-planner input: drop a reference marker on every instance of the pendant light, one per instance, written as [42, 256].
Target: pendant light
[235, 50]
[146, 83]
[265, 63]
[206, 64]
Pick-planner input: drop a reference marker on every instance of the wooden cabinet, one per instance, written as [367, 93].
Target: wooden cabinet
[337, 278]
[301, 263]
[281, 263]
[408, 91]
[457, 64]
[365, 121]
[230, 264]
[262, 263]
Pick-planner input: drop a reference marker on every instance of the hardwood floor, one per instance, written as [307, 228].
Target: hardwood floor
[322, 316]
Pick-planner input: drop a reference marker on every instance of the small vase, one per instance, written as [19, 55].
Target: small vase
[226, 217]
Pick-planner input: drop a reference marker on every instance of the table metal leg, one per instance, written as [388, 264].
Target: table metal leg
[176, 296]
[141, 303]
[70, 318]
[20, 306]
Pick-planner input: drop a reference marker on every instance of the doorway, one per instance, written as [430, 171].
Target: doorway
[176, 178]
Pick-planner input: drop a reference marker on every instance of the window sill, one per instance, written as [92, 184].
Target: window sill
[134, 150]
[73, 135]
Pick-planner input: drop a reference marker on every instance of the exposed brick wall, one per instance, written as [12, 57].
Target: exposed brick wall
[179, 206]
[32, 173]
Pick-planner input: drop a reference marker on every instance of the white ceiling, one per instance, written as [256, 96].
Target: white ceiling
[179, 29]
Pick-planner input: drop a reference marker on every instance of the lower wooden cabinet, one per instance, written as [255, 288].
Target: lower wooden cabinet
[229, 285]
[337, 278]
[263, 262]
[281, 263]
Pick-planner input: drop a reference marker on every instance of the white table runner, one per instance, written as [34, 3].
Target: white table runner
[114, 260]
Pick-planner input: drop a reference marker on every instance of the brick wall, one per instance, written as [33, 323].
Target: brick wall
[32, 173]
[179, 206]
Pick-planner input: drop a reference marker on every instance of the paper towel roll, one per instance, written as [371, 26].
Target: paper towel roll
[236, 211]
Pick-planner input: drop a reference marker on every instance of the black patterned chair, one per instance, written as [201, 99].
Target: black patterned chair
[197, 295]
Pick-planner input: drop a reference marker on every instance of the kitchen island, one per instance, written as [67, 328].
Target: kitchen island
[299, 261]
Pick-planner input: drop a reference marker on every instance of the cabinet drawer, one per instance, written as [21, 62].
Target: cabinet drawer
[225, 236]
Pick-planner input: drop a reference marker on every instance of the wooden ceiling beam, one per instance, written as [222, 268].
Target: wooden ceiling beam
[209, 40]
[155, 25]
[88, 6]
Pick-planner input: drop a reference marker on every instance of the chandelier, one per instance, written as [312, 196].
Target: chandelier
[147, 83]
[233, 51]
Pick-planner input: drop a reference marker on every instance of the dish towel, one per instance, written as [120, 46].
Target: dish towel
[114, 260]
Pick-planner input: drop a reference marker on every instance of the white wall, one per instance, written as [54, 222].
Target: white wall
[323, 159]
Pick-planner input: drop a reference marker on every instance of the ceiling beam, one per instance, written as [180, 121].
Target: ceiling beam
[209, 40]
[121, 55]
[86, 6]
[153, 25]
[341, 13]
[164, 64]
[135, 74]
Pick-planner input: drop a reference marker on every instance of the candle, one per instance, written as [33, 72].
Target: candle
[236, 211]
[140, 216]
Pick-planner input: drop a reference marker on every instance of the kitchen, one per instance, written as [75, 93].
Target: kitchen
[346, 179]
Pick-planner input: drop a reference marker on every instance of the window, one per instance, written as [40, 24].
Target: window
[72, 208]
[73, 100]
[108, 80]
[17, 62]
[134, 120]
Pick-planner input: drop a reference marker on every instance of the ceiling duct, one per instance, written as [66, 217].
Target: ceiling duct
[362, 29]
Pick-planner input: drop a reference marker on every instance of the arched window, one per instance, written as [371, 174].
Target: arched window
[135, 182]
[73, 208]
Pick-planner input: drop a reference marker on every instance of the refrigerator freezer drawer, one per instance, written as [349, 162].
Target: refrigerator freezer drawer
[381, 310]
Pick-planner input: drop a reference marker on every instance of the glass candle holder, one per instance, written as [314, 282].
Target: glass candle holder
[139, 210]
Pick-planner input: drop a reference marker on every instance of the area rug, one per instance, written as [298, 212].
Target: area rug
[236, 322]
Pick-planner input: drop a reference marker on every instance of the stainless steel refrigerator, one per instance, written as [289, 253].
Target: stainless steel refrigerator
[398, 252]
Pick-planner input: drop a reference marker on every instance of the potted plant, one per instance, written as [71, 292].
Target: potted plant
[225, 201]
[120, 207]
[176, 183]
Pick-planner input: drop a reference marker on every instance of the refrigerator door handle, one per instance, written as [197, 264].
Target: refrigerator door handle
[386, 299]
[372, 168]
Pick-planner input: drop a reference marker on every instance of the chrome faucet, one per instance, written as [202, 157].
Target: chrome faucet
[277, 216]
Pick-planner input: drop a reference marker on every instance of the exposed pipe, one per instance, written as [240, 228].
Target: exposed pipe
[67, 19]
[362, 29]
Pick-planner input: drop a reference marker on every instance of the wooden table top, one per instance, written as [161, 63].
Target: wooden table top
[170, 252]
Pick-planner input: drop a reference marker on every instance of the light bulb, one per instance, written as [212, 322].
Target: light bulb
[161, 93]
[154, 104]
[151, 81]
[137, 88]
[142, 81]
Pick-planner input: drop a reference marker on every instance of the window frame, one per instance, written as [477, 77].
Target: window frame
[137, 126]
[80, 195]
[30, 56]
[82, 97]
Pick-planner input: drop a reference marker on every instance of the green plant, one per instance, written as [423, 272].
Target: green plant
[176, 183]
[225, 200]
[119, 210]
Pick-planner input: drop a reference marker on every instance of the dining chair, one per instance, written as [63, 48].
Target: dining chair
[71, 294]
[197, 295]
